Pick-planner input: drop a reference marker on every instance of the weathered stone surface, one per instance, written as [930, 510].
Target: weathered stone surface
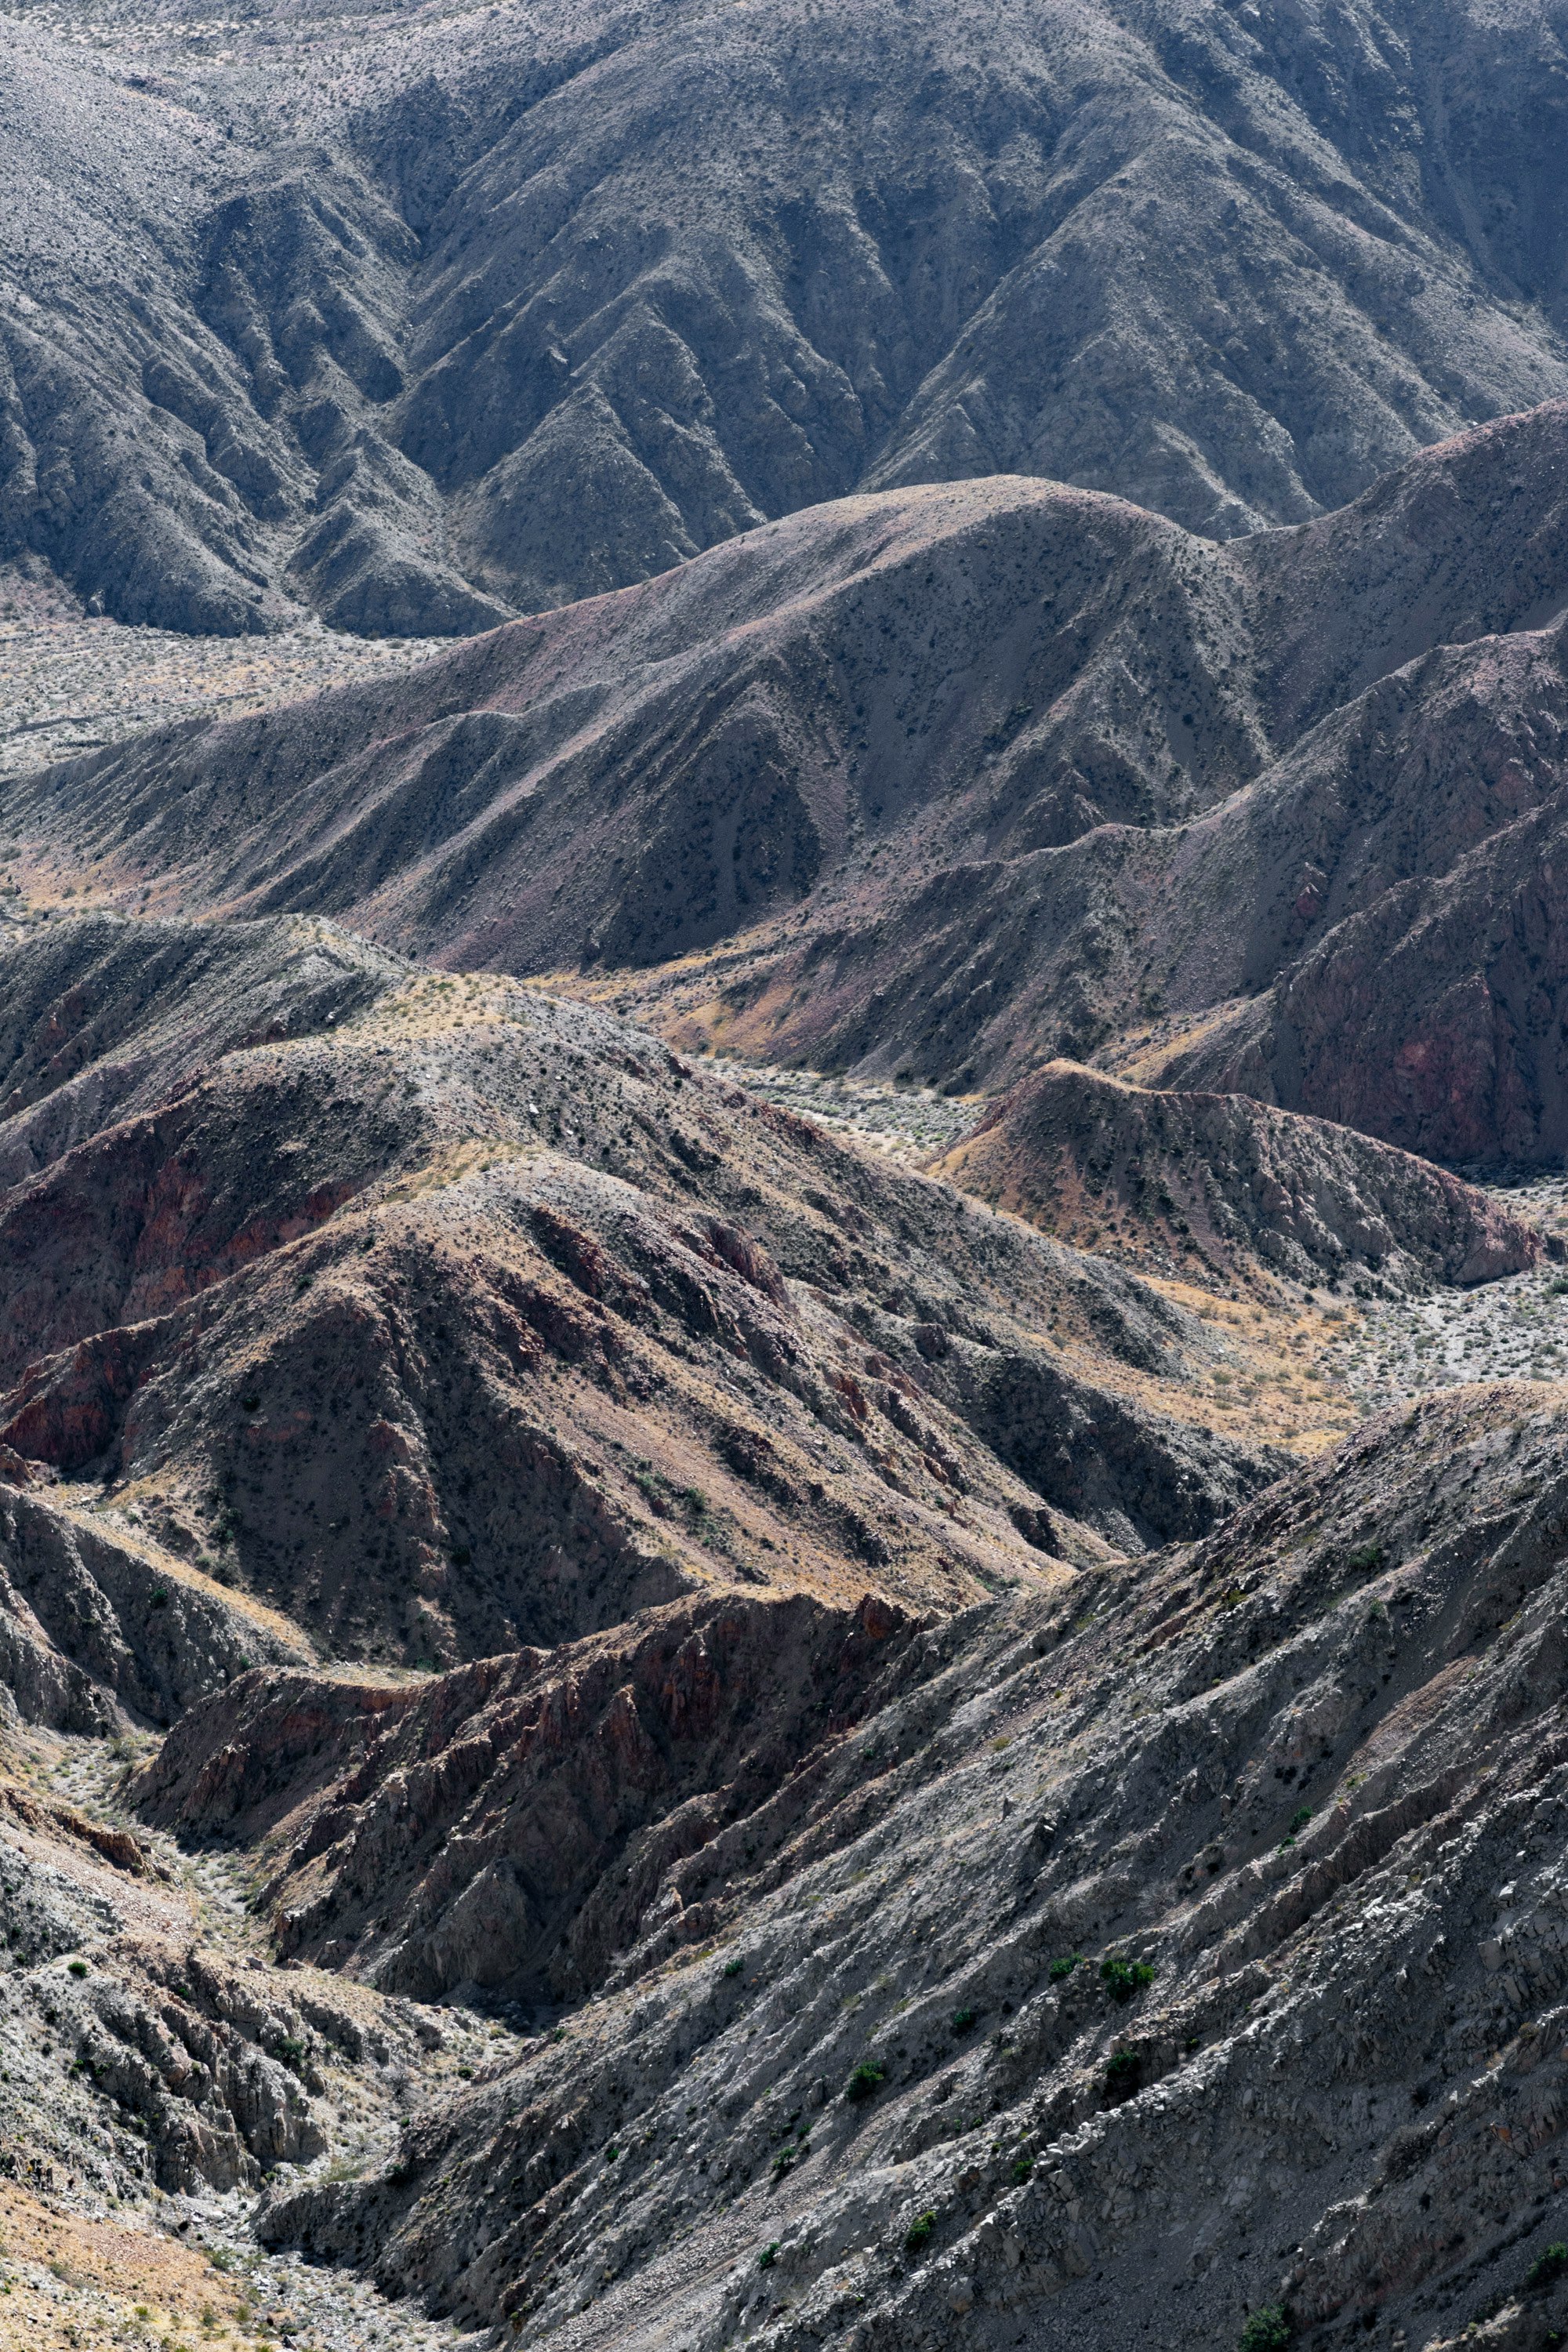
[1309, 1772]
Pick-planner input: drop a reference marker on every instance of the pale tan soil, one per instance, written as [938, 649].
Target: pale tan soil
[70, 684]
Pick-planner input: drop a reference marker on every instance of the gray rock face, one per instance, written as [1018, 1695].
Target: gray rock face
[421, 322]
[1203, 1933]
[91, 1627]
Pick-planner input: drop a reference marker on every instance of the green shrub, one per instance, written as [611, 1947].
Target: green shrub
[784, 2162]
[1547, 2266]
[1123, 1977]
[866, 2080]
[963, 2019]
[1122, 2074]
[611, 2153]
[77, 1967]
[768, 2256]
[1063, 1967]
[1364, 1559]
[1299, 1818]
[919, 2233]
[1022, 2169]
[733, 1968]
[1268, 2329]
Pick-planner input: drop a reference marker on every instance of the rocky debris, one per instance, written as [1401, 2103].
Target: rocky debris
[537, 1328]
[910, 1124]
[1219, 1186]
[414, 322]
[181, 2268]
[503, 1832]
[1516, 1329]
[1187, 1946]
[141, 2051]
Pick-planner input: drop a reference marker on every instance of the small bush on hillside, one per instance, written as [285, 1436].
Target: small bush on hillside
[919, 2233]
[1022, 2169]
[768, 2256]
[77, 1967]
[1547, 2266]
[1122, 2074]
[1268, 2329]
[733, 1968]
[1366, 1557]
[1063, 1967]
[864, 2082]
[1123, 1977]
[963, 2019]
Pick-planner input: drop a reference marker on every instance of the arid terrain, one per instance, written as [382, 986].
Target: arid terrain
[783, 1232]
[934, 785]
[415, 315]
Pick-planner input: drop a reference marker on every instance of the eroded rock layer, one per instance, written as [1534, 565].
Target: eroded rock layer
[1191, 1943]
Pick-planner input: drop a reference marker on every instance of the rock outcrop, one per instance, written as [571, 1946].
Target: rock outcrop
[502, 1831]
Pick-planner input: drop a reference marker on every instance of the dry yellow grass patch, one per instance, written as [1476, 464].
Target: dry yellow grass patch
[70, 2284]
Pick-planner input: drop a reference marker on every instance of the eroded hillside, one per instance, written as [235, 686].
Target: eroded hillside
[412, 317]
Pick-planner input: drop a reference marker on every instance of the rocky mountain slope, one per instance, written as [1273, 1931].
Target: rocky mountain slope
[625, 1724]
[1129, 1959]
[414, 316]
[942, 783]
[1232, 1192]
[443, 1315]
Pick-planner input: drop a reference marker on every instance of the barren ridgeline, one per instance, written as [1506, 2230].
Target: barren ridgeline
[782, 1226]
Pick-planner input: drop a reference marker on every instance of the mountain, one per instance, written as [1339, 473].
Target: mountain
[1228, 1190]
[946, 782]
[754, 1588]
[1115, 1964]
[417, 316]
[441, 1317]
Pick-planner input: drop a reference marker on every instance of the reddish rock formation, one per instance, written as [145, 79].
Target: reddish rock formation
[506, 1828]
